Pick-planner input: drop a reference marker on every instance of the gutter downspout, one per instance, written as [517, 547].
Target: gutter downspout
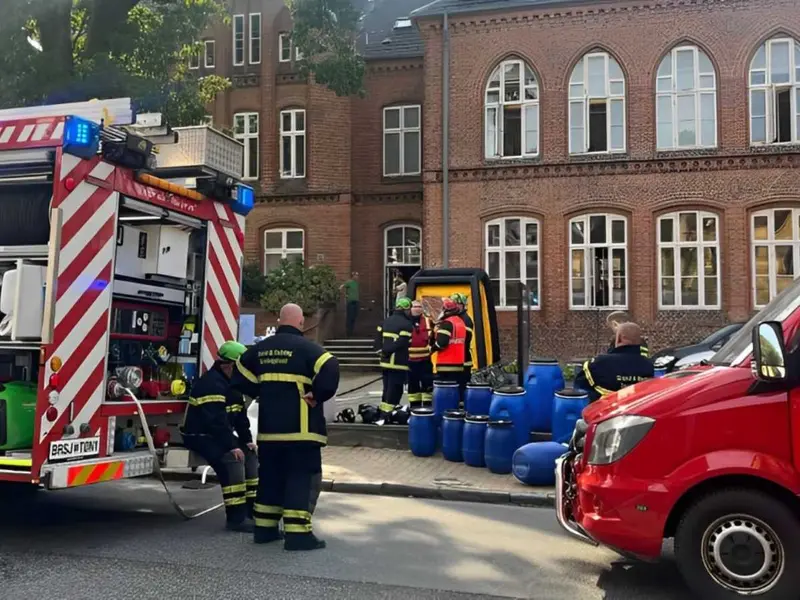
[445, 142]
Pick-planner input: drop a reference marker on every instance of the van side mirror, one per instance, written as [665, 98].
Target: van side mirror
[769, 353]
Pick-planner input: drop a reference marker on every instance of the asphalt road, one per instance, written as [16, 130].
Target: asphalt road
[121, 541]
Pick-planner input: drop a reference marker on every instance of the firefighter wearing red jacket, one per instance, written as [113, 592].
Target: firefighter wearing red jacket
[450, 344]
[420, 376]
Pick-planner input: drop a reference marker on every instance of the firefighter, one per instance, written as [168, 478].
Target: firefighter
[461, 301]
[614, 319]
[623, 366]
[450, 339]
[214, 412]
[393, 340]
[420, 375]
[291, 377]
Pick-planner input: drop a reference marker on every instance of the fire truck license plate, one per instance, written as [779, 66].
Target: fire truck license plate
[74, 448]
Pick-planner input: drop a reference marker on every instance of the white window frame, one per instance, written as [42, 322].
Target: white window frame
[253, 40]
[700, 245]
[501, 302]
[770, 243]
[768, 88]
[585, 100]
[238, 27]
[588, 268]
[245, 136]
[697, 92]
[401, 130]
[213, 45]
[291, 172]
[284, 43]
[493, 112]
[386, 247]
[283, 251]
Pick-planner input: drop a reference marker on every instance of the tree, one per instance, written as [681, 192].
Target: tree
[55, 51]
[311, 287]
[326, 31]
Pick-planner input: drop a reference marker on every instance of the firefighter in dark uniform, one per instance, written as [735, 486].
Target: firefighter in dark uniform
[214, 412]
[394, 338]
[614, 320]
[623, 366]
[450, 339]
[461, 301]
[420, 375]
[291, 377]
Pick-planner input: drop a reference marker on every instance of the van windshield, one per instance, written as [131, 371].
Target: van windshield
[739, 346]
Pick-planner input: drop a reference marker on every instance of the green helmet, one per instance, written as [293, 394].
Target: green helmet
[459, 298]
[403, 303]
[231, 351]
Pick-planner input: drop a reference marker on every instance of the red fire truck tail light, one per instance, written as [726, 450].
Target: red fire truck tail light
[69, 183]
[51, 414]
[54, 381]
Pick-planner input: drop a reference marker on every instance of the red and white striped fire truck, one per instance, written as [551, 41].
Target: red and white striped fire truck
[120, 246]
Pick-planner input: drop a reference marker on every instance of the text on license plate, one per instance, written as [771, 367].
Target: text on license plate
[74, 448]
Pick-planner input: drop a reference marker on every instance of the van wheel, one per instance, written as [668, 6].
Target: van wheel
[738, 542]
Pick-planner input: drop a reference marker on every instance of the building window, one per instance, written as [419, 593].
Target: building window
[245, 129]
[403, 245]
[596, 105]
[775, 93]
[402, 144]
[688, 265]
[255, 38]
[238, 40]
[293, 144]
[598, 261]
[776, 244]
[512, 258]
[210, 54]
[194, 59]
[512, 111]
[686, 100]
[285, 47]
[282, 243]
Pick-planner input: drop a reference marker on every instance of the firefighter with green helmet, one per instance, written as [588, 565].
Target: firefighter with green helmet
[217, 428]
[461, 300]
[393, 341]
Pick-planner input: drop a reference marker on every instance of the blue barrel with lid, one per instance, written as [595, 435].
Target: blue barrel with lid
[659, 372]
[453, 435]
[535, 464]
[500, 446]
[542, 380]
[446, 396]
[510, 403]
[474, 440]
[478, 399]
[422, 432]
[567, 409]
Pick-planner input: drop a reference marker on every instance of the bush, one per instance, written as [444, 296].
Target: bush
[310, 287]
[254, 284]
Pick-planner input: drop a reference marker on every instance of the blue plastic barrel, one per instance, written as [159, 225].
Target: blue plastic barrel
[659, 372]
[445, 397]
[478, 399]
[473, 444]
[453, 435]
[511, 403]
[422, 432]
[500, 446]
[535, 464]
[567, 409]
[542, 380]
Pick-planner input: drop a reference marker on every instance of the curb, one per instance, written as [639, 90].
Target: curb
[399, 490]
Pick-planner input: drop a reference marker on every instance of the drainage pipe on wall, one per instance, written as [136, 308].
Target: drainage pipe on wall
[445, 142]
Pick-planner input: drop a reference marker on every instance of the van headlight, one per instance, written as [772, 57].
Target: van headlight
[616, 437]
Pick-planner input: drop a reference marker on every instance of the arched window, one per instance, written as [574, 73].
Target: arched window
[596, 105]
[598, 261]
[686, 100]
[512, 111]
[775, 238]
[403, 245]
[282, 243]
[775, 93]
[688, 266]
[512, 258]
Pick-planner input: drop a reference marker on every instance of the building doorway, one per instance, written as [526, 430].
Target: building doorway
[402, 258]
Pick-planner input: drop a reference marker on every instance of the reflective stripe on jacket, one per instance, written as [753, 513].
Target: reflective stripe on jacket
[207, 413]
[394, 337]
[451, 337]
[420, 348]
[611, 372]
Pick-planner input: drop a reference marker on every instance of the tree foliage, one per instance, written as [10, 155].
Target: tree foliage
[105, 49]
[326, 31]
[310, 287]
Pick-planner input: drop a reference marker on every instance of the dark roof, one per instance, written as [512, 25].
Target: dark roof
[439, 7]
[380, 38]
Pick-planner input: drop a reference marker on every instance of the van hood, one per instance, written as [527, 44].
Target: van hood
[657, 397]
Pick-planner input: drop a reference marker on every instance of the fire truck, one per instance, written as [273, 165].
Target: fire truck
[120, 250]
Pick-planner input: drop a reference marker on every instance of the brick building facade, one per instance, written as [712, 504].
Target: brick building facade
[612, 154]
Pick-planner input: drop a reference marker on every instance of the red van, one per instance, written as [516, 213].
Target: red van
[709, 456]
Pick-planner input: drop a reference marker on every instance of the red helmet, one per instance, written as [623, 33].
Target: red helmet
[449, 305]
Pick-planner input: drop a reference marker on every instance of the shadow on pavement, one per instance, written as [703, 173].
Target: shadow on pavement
[659, 581]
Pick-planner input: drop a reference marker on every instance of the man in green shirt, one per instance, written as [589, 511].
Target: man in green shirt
[351, 297]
